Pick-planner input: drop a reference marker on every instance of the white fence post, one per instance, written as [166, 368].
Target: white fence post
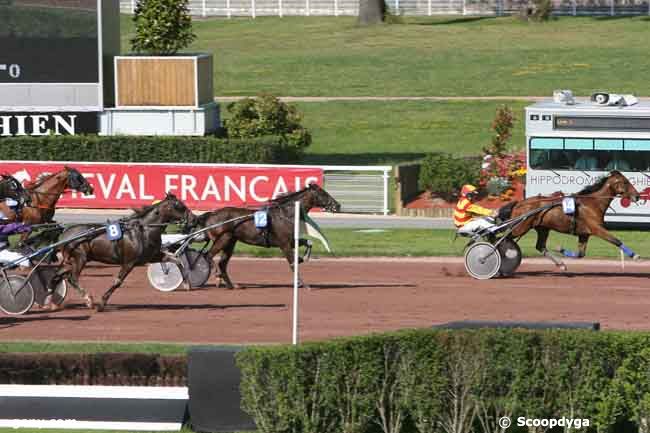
[253, 8]
[429, 7]
[228, 11]
[386, 176]
[296, 245]
[203, 11]
[464, 8]
[132, 6]
[336, 8]
[396, 7]
[280, 8]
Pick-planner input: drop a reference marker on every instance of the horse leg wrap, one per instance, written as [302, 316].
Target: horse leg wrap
[569, 253]
[628, 252]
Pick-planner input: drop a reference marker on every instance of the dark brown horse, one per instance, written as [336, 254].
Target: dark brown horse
[279, 234]
[140, 244]
[591, 203]
[45, 193]
[10, 187]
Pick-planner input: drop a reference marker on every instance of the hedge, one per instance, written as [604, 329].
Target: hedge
[445, 174]
[429, 381]
[93, 369]
[147, 149]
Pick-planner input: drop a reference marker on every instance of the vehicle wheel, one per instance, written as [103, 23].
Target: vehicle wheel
[165, 277]
[482, 260]
[40, 279]
[198, 267]
[510, 256]
[16, 295]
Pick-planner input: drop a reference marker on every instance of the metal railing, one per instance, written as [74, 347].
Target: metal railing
[358, 189]
[255, 8]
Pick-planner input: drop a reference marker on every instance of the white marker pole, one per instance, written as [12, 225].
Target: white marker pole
[296, 236]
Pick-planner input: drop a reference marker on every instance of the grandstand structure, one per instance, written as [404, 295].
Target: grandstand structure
[254, 8]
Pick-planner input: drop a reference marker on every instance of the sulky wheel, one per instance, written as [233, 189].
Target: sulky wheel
[510, 256]
[198, 267]
[16, 295]
[482, 260]
[40, 280]
[165, 277]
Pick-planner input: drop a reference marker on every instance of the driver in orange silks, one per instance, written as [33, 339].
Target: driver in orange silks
[468, 216]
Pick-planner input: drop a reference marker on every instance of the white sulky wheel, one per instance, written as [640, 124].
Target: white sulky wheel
[165, 277]
[482, 260]
[16, 295]
[510, 257]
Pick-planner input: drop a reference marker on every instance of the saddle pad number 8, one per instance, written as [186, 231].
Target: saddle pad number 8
[113, 231]
[569, 205]
[261, 219]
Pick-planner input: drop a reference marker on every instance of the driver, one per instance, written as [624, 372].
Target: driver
[468, 216]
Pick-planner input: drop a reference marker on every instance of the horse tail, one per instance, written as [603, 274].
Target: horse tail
[505, 212]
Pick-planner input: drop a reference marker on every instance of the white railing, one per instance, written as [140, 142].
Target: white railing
[254, 8]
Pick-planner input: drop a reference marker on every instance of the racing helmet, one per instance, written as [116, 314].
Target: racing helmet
[468, 191]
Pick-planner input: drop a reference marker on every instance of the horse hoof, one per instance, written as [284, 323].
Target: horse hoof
[563, 268]
[89, 302]
[100, 307]
[636, 257]
[52, 307]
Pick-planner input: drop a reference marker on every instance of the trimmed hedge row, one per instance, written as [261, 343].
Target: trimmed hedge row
[429, 381]
[149, 149]
[93, 369]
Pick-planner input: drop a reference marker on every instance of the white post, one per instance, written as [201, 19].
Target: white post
[203, 9]
[336, 8]
[280, 7]
[611, 9]
[464, 8]
[296, 238]
[307, 8]
[386, 192]
[429, 7]
[132, 6]
[228, 11]
[253, 8]
[396, 7]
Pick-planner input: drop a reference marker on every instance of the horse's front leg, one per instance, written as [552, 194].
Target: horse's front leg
[288, 252]
[602, 233]
[125, 270]
[542, 237]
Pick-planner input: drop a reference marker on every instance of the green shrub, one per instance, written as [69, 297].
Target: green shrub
[145, 149]
[443, 174]
[267, 115]
[424, 381]
[162, 27]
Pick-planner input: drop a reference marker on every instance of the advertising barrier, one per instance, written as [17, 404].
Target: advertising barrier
[200, 186]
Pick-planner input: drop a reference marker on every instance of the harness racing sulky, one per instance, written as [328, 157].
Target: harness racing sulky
[493, 249]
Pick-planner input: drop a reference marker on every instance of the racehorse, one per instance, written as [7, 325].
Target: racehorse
[45, 193]
[279, 234]
[11, 188]
[591, 203]
[140, 244]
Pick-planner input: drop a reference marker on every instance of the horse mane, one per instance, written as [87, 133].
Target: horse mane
[284, 197]
[597, 185]
[139, 212]
[41, 181]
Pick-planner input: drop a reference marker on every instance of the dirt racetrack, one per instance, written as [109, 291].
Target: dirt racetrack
[348, 297]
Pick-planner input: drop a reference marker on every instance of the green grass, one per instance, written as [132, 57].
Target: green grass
[423, 242]
[330, 56]
[92, 347]
[393, 132]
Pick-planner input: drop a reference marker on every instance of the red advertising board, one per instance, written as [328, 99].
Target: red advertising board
[200, 186]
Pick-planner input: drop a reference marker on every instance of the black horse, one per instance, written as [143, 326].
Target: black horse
[279, 234]
[11, 188]
[140, 243]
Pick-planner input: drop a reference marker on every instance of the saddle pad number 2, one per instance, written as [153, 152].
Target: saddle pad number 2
[261, 219]
[113, 231]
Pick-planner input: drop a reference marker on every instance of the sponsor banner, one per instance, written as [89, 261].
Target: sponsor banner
[200, 186]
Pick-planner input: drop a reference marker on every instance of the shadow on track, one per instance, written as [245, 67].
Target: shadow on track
[329, 286]
[569, 274]
[186, 307]
[9, 322]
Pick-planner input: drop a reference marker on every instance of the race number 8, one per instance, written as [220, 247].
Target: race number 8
[14, 71]
[113, 231]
